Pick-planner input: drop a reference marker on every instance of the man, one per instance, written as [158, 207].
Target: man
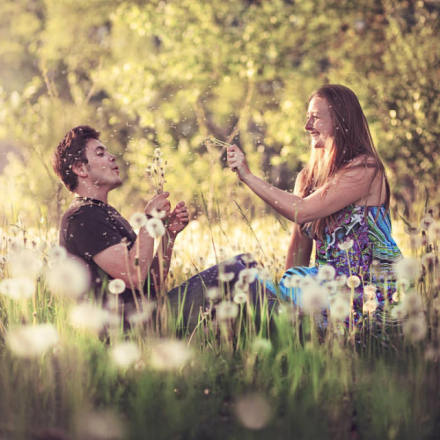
[95, 232]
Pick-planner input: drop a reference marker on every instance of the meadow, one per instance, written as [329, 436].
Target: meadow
[63, 377]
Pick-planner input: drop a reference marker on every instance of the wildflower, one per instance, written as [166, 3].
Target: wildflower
[68, 277]
[158, 213]
[56, 253]
[346, 245]
[226, 310]
[247, 276]
[326, 272]
[116, 286]
[292, 281]
[125, 354]
[340, 308]
[169, 354]
[100, 425]
[137, 220]
[370, 292]
[88, 317]
[32, 340]
[226, 276]
[370, 306]
[253, 411]
[353, 281]
[17, 288]
[240, 297]
[434, 231]
[25, 263]
[412, 303]
[213, 294]
[261, 346]
[155, 228]
[415, 328]
[314, 299]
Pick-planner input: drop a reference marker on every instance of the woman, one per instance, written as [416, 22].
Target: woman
[340, 200]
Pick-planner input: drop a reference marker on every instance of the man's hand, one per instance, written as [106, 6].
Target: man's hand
[237, 161]
[158, 203]
[178, 219]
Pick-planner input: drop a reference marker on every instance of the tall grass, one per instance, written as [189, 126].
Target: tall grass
[238, 378]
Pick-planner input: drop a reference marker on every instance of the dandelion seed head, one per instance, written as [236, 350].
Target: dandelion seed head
[346, 245]
[144, 315]
[68, 277]
[398, 312]
[155, 228]
[116, 286]
[169, 354]
[25, 263]
[370, 292]
[326, 272]
[314, 299]
[247, 276]
[412, 303]
[339, 308]
[213, 294]
[89, 317]
[253, 411]
[370, 306]
[125, 354]
[226, 310]
[414, 328]
[17, 288]
[407, 268]
[240, 297]
[353, 281]
[158, 213]
[32, 340]
[138, 220]
[264, 274]
[57, 253]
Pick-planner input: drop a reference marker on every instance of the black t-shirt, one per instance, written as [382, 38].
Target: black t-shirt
[88, 227]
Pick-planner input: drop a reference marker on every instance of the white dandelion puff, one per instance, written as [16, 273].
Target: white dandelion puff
[346, 245]
[308, 282]
[68, 277]
[314, 299]
[407, 269]
[25, 263]
[226, 310]
[370, 306]
[326, 272]
[213, 294]
[158, 213]
[247, 276]
[57, 253]
[414, 328]
[370, 292]
[87, 316]
[144, 315]
[138, 220]
[353, 281]
[253, 411]
[32, 340]
[292, 281]
[240, 297]
[169, 354]
[155, 228]
[125, 354]
[340, 308]
[341, 279]
[412, 303]
[116, 286]
[398, 312]
[264, 274]
[17, 288]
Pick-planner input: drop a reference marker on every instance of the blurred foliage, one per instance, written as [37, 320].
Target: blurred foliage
[169, 73]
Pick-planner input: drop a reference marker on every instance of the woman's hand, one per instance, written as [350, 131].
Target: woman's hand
[237, 161]
[178, 219]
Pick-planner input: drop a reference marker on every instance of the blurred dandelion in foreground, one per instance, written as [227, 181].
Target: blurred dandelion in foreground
[213, 294]
[88, 317]
[412, 303]
[32, 340]
[169, 354]
[68, 277]
[353, 281]
[226, 310]
[370, 292]
[155, 228]
[326, 272]
[414, 328]
[261, 346]
[370, 306]
[253, 411]
[100, 425]
[292, 281]
[56, 253]
[264, 274]
[17, 288]
[116, 286]
[247, 276]
[240, 297]
[125, 354]
[314, 299]
[340, 308]
[25, 263]
[407, 269]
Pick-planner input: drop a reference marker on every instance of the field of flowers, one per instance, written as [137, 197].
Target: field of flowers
[68, 371]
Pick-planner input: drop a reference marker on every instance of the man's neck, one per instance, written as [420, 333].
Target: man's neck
[93, 193]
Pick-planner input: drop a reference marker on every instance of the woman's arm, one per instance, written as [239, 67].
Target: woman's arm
[347, 186]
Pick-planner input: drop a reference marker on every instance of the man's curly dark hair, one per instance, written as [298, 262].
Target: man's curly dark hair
[70, 150]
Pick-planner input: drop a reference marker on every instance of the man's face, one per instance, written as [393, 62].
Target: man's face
[102, 169]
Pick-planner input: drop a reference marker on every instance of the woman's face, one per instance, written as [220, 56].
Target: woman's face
[319, 123]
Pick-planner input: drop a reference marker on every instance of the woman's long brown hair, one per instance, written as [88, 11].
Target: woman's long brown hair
[352, 138]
